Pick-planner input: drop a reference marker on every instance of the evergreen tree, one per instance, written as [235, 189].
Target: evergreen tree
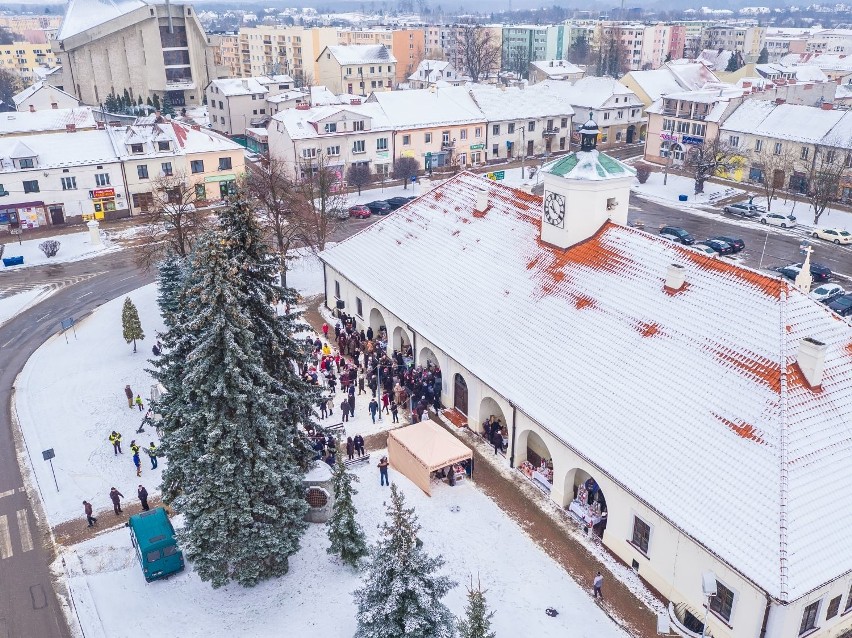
[156, 102]
[130, 324]
[344, 532]
[763, 58]
[733, 63]
[149, 102]
[230, 470]
[170, 281]
[401, 596]
[477, 619]
[168, 109]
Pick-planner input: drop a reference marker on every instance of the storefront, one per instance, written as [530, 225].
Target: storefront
[103, 204]
[538, 465]
[227, 184]
[588, 506]
[23, 215]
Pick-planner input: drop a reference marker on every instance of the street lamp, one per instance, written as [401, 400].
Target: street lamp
[708, 587]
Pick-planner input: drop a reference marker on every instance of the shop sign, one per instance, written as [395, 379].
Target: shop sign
[496, 175]
[408, 153]
[477, 147]
[668, 137]
[100, 193]
[695, 141]
[382, 154]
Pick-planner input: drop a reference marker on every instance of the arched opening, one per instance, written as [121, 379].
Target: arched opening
[587, 501]
[378, 325]
[643, 132]
[427, 358]
[491, 421]
[460, 394]
[631, 134]
[538, 463]
[401, 341]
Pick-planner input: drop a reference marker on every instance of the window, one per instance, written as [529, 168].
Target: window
[333, 150]
[406, 140]
[26, 162]
[848, 163]
[755, 175]
[200, 191]
[723, 602]
[331, 127]
[477, 132]
[495, 150]
[778, 148]
[758, 146]
[495, 129]
[309, 153]
[620, 114]
[833, 608]
[101, 179]
[153, 557]
[197, 166]
[142, 171]
[809, 618]
[224, 163]
[359, 309]
[849, 600]
[427, 138]
[510, 128]
[734, 140]
[382, 144]
[358, 146]
[606, 116]
[531, 125]
[358, 125]
[641, 534]
[136, 149]
[69, 183]
[462, 135]
[221, 106]
[162, 146]
[830, 156]
[166, 167]
[804, 153]
[337, 289]
[31, 186]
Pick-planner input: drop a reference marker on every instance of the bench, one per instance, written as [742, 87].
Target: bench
[337, 428]
[357, 460]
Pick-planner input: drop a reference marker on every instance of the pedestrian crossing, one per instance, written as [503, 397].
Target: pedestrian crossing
[7, 549]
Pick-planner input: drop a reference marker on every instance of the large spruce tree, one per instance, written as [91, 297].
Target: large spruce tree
[344, 532]
[401, 595]
[231, 466]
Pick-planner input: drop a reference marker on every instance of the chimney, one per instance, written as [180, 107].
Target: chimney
[355, 101]
[791, 81]
[746, 85]
[32, 108]
[779, 100]
[195, 127]
[303, 106]
[827, 106]
[811, 360]
[675, 277]
[70, 128]
[481, 201]
[101, 125]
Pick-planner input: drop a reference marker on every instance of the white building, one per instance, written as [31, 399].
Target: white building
[718, 446]
[541, 70]
[236, 104]
[46, 121]
[41, 96]
[435, 73]
[358, 69]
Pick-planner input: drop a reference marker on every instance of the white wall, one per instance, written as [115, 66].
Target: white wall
[46, 97]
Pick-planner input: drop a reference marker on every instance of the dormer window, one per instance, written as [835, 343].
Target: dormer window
[136, 149]
[162, 146]
[26, 162]
[331, 127]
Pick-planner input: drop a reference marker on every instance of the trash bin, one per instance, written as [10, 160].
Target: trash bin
[682, 198]
[13, 261]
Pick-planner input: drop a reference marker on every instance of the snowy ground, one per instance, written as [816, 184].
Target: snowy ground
[14, 304]
[73, 247]
[831, 218]
[478, 540]
[677, 185]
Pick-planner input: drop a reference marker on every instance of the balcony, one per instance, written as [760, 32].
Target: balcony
[550, 132]
[686, 621]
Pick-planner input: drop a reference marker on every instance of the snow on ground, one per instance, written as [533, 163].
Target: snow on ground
[15, 304]
[831, 218]
[304, 271]
[478, 540]
[677, 185]
[73, 247]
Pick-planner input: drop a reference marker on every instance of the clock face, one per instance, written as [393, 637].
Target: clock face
[554, 209]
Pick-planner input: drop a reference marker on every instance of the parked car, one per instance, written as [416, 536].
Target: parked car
[734, 242]
[818, 271]
[379, 207]
[721, 247]
[360, 211]
[677, 234]
[790, 272]
[827, 292]
[842, 305]
[397, 202]
[834, 235]
[744, 209]
[777, 219]
[704, 248]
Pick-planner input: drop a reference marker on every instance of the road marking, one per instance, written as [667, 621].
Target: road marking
[5, 538]
[44, 317]
[8, 342]
[7, 493]
[86, 294]
[126, 278]
[24, 528]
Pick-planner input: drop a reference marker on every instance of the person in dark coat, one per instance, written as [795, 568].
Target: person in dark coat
[142, 493]
[129, 394]
[323, 407]
[344, 409]
[114, 496]
[370, 333]
[350, 448]
[87, 507]
[383, 471]
[359, 444]
[394, 409]
[352, 403]
[497, 440]
[374, 408]
[361, 385]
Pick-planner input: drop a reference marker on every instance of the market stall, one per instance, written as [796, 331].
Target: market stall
[589, 506]
[424, 448]
[541, 475]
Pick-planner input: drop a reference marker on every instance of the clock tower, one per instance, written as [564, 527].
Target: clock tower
[582, 191]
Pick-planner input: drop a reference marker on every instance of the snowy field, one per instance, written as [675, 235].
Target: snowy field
[73, 247]
[677, 185]
[15, 304]
[478, 540]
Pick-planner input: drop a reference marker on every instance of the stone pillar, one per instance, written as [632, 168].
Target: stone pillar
[94, 233]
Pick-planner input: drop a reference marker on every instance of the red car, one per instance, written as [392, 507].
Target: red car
[360, 211]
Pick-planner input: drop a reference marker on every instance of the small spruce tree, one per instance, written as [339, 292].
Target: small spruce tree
[344, 532]
[477, 619]
[763, 58]
[401, 595]
[130, 323]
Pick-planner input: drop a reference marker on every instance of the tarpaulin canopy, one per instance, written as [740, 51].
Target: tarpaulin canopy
[418, 450]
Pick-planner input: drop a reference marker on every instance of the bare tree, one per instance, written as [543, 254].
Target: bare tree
[320, 203]
[358, 175]
[405, 168]
[274, 195]
[517, 61]
[478, 50]
[773, 167]
[710, 158]
[10, 84]
[175, 220]
[825, 177]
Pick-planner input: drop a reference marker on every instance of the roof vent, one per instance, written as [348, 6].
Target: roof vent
[303, 106]
[32, 108]
[481, 201]
[827, 106]
[675, 277]
[70, 128]
[811, 360]
[779, 100]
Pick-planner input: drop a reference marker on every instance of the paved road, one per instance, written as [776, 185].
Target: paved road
[28, 601]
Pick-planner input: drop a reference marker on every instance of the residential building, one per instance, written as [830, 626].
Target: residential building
[780, 41]
[235, 104]
[58, 177]
[225, 48]
[152, 151]
[357, 69]
[541, 70]
[17, 124]
[616, 109]
[837, 41]
[837, 67]
[442, 44]
[337, 137]
[746, 39]
[24, 59]
[435, 73]
[287, 100]
[438, 128]
[406, 44]
[44, 96]
[145, 49]
[522, 44]
[275, 49]
[521, 122]
[764, 387]
[678, 75]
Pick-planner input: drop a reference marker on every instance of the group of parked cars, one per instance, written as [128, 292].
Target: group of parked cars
[719, 245]
[378, 207]
[759, 213]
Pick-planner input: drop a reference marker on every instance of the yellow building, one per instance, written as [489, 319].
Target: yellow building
[23, 58]
[271, 49]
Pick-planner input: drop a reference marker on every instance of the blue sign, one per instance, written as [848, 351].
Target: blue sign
[688, 139]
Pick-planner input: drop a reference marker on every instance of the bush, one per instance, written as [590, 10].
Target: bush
[49, 247]
[642, 173]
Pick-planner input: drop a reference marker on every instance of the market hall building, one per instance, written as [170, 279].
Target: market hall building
[710, 404]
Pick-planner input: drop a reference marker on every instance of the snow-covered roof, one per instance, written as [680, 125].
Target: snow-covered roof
[678, 405]
[825, 61]
[183, 139]
[28, 92]
[426, 108]
[802, 73]
[843, 92]
[305, 124]
[321, 96]
[514, 103]
[438, 72]
[792, 122]
[589, 93]
[557, 68]
[588, 165]
[286, 96]
[673, 76]
[82, 15]
[715, 59]
[230, 87]
[361, 54]
[56, 150]
[267, 80]
[46, 120]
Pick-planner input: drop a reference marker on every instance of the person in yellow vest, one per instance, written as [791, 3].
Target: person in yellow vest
[326, 350]
[152, 452]
[115, 439]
